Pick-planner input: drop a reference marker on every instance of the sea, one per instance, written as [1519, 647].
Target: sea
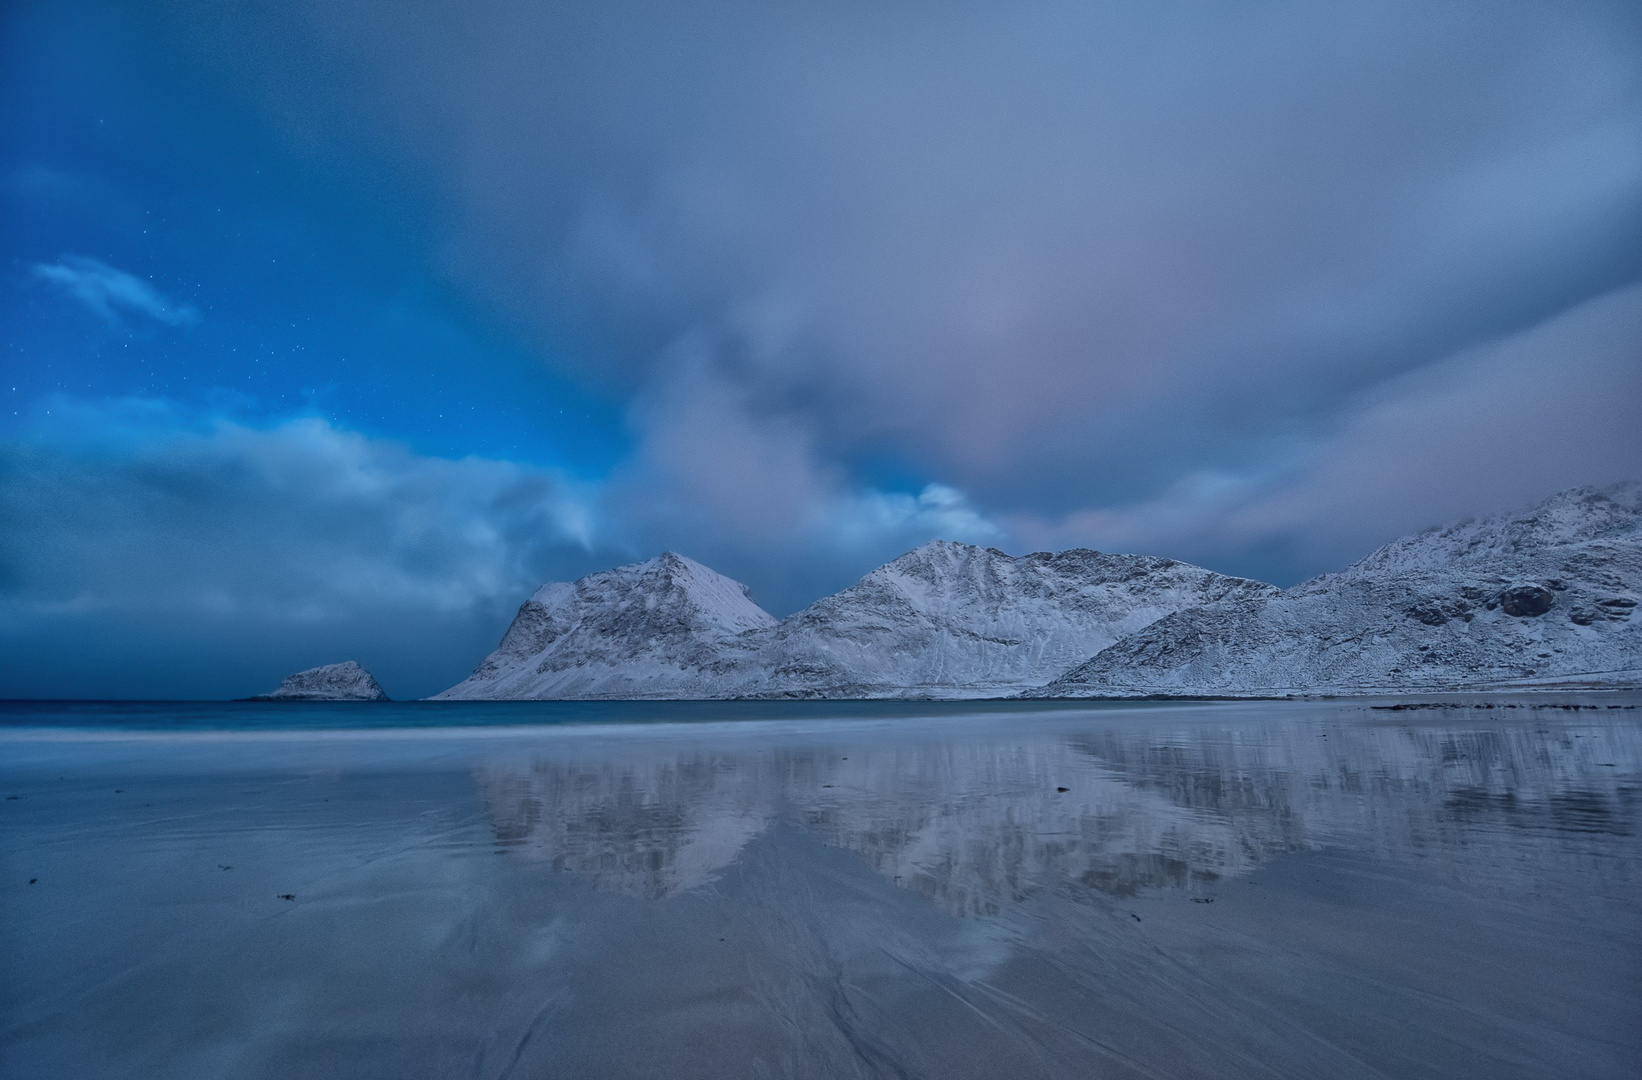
[1444, 887]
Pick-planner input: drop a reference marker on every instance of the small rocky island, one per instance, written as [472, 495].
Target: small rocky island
[346, 681]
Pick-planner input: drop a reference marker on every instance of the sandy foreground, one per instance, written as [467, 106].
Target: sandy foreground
[1255, 889]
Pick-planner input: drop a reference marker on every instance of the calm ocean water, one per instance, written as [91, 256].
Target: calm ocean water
[1280, 889]
[370, 716]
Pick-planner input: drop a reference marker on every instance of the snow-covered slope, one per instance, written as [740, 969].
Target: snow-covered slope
[1537, 599]
[664, 628]
[954, 620]
[346, 681]
[945, 620]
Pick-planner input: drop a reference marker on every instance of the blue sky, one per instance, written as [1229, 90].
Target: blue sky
[308, 280]
[330, 331]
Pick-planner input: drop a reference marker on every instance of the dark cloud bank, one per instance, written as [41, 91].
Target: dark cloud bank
[1257, 286]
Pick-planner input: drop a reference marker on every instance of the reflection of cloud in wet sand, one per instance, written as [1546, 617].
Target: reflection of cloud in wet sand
[979, 826]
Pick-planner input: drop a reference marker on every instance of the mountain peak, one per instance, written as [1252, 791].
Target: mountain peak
[1578, 515]
[644, 629]
[944, 551]
[721, 600]
[673, 563]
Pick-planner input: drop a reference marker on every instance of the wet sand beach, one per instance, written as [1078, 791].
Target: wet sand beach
[1263, 889]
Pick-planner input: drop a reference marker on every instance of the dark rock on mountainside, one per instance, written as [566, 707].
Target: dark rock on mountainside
[1526, 601]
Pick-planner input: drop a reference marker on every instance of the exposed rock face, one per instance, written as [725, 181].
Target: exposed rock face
[666, 628]
[346, 681]
[1542, 598]
[1526, 601]
[945, 620]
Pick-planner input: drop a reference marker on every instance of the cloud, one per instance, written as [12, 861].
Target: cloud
[1498, 426]
[744, 484]
[1056, 255]
[123, 524]
[191, 552]
[936, 511]
[109, 293]
[300, 521]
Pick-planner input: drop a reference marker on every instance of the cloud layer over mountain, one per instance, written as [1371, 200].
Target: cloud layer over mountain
[1061, 258]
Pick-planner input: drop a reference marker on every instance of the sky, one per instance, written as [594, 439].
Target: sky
[331, 331]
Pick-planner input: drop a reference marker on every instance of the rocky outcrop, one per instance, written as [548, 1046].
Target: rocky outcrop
[1543, 598]
[346, 681]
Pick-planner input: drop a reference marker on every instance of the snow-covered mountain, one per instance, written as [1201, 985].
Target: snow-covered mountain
[346, 681]
[1534, 599]
[944, 620]
[955, 620]
[1537, 599]
[667, 628]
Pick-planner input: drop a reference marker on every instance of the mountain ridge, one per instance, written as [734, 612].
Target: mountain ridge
[949, 619]
[943, 620]
[1538, 598]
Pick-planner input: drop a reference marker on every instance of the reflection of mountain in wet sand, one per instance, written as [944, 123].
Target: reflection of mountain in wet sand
[972, 830]
[979, 826]
[976, 828]
[1411, 788]
[649, 831]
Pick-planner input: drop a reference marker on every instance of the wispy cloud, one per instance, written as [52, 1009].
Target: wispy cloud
[109, 292]
[138, 530]
[139, 504]
[1498, 426]
[750, 488]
